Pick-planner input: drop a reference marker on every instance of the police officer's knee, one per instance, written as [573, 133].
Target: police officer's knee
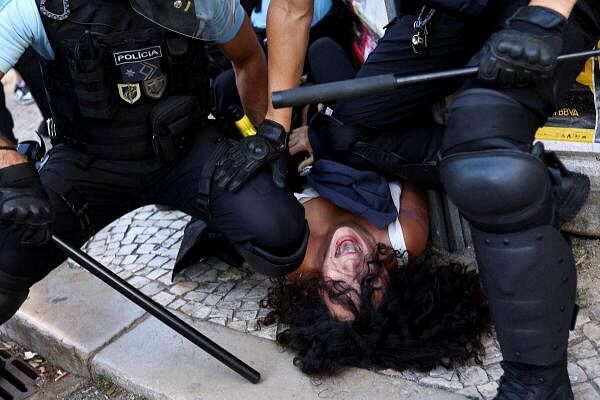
[502, 190]
[276, 261]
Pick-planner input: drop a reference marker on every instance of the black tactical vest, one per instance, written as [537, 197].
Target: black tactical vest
[120, 84]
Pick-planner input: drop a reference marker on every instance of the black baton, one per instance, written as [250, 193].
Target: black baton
[378, 84]
[158, 311]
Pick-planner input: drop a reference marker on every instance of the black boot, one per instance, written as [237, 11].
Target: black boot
[530, 382]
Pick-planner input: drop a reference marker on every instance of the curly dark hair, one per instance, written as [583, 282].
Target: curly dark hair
[430, 315]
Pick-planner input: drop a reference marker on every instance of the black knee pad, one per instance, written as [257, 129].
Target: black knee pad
[499, 190]
[273, 264]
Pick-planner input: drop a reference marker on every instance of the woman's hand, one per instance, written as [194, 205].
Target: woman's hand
[299, 143]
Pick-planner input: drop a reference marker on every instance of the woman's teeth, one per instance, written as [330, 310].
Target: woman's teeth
[347, 247]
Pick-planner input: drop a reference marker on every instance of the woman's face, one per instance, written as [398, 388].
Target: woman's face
[346, 261]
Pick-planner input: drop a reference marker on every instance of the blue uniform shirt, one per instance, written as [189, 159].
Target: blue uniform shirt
[259, 19]
[21, 26]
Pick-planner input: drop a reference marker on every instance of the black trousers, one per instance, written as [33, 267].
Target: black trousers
[259, 213]
[452, 42]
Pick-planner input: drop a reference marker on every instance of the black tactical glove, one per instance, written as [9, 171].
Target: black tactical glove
[268, 147]
[24, 205]
[525, 52]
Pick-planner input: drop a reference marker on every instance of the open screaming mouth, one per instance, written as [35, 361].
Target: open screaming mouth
[347, 245]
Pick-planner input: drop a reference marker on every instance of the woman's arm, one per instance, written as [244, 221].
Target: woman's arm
[414, 219]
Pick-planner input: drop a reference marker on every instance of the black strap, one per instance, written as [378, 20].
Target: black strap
[8, 148]
[205, 180]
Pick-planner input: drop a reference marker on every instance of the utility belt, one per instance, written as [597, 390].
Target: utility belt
[379, 151]
[165, 134]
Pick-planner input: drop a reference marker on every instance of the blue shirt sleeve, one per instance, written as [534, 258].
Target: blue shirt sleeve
[238, 19]
[218, 20]
[20, 27]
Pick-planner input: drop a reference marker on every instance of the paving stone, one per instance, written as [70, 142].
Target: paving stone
[492, 355]
[488, 391]
[152, 288]
[267, 332]
[201, 312]
[163, 298]
[144, 259]
[441, 383]
[133, 268]
[584, 349]
[495, 372]
[156, 274]
[592, 331]
[473, 376]
[220, 313]
[207, 287]
[177, 303]
[125, 274]
[195, 296]
[212, 299]
[441, 372]
[470, 392]
[591, 366]
[145, 249]
[157, 262]
[166, 279]
[140, 239]
[586, 391]
[595, 312]
[239, 326]
[143, 215]
[182, 288]
[245, 315]
[129, 259]
[138, 281]
[582, 319]
[576, 374]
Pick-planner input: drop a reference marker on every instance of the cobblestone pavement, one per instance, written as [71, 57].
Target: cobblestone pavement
[141, 247]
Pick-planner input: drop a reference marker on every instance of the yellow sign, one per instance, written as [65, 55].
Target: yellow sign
[565, 134]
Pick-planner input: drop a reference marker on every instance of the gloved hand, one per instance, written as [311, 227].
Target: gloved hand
[525, 52]
[24, 204]
[244, 159]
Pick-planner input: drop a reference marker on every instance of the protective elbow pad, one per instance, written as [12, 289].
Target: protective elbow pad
[273, 265]
[499, 190]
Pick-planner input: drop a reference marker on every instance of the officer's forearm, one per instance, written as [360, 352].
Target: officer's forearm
[9, 157]
[562, 6]
[251, 80]
[288, 26]
[250, 66]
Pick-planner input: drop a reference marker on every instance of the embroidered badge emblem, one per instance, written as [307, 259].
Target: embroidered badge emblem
[129, 92]
[155, 87]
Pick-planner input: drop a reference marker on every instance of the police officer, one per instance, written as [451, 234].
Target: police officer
[487, 162]
[130, 100]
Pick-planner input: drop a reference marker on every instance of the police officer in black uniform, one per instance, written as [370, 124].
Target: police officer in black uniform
[487, 163]
[130, 101]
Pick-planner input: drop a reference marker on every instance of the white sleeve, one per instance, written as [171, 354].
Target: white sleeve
[20, 27]
[395, 229]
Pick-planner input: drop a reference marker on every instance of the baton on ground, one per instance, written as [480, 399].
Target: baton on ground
[158, 311]
[379, 84]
